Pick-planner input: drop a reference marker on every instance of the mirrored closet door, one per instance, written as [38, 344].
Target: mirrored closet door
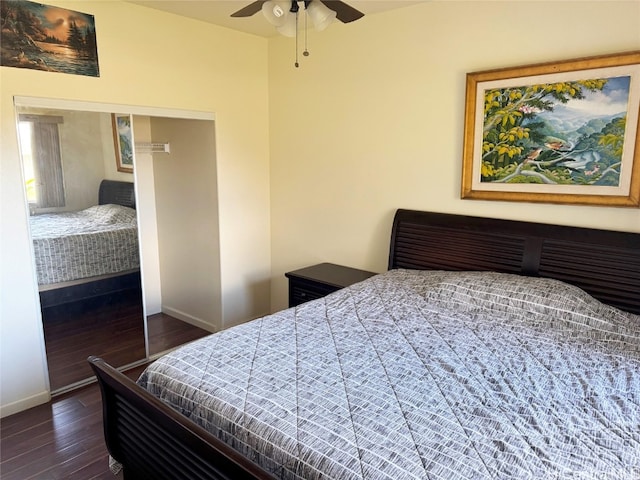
[96, 224]
[83, 225]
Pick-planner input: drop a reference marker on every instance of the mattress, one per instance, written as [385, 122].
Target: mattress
[100, 240]
[422, 375]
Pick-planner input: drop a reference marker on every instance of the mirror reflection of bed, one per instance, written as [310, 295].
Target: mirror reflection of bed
[88, 270]
[84, 225]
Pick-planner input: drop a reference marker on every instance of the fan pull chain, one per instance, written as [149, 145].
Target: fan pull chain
[306, 51]
[297, 64]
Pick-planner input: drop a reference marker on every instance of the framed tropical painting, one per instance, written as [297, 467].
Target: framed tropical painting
[561, 132]
[123, 142]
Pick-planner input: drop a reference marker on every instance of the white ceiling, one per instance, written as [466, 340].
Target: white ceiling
[219, 12]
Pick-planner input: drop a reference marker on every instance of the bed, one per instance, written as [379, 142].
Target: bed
[88, 253]
[489, 349]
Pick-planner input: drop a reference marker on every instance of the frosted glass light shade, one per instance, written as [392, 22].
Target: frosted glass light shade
[288, 29]
[321, 16]
[276, 13]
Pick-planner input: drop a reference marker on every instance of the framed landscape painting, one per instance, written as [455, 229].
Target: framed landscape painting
[48, 38]
[562, 132]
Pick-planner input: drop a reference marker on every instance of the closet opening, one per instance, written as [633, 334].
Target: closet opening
[150, 279]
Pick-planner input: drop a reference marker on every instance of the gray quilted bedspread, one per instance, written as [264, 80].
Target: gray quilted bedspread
[423, 375]
[99, 240]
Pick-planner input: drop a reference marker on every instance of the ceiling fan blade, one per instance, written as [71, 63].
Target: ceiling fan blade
[249, 10]
[345, 13]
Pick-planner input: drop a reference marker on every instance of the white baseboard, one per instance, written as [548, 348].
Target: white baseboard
[190, 319]
[24, 404]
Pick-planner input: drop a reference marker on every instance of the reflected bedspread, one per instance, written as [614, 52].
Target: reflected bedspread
[99, 240]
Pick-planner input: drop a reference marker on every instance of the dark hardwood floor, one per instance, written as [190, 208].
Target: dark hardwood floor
[166, 332]
[63, 439]
[110, 327]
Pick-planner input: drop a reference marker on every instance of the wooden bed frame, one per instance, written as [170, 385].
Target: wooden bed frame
[153, 441]
[604, 263]
[111, 191]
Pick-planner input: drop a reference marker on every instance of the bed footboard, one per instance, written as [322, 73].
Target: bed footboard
[153, 441]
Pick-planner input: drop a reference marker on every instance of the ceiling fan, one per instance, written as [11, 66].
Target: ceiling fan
[284, 15]
[344, 12]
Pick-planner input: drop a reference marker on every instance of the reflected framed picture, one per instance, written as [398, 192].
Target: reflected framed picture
[123, 142]
[561, 132]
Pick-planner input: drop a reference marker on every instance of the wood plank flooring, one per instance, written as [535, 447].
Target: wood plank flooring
[110, 328]
[64, 439]
[166, 332]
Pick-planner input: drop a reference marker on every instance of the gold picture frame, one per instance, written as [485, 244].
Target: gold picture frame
[558, 132]
[123, 142]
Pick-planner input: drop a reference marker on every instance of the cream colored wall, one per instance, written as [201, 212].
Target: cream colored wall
[187, 221]
[159, 60]
[372, 120]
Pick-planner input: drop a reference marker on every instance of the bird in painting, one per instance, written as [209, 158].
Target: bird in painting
[533, 155]
[558, 146]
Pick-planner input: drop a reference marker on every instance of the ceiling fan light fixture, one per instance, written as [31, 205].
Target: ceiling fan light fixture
[276, 13]
[289, 27]
[283, 15]
[321, 16]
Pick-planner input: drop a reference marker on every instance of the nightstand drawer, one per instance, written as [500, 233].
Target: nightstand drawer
[301, 291]
[319, 280]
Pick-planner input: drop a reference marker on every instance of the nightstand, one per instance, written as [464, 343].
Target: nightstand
[322, 279]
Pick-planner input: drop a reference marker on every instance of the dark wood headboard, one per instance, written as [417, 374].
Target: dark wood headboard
[606, 264]
[116, 192]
